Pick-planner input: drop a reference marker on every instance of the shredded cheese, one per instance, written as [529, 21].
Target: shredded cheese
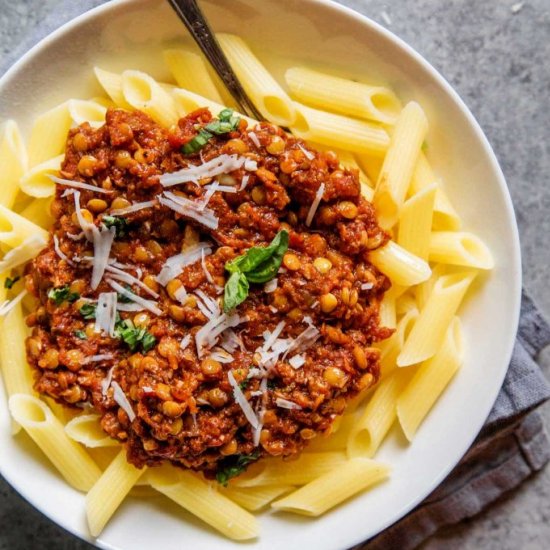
[119, 274]
[286, 404]
[105, 314]
[60, 252]
[175, 264]
[103, 240]
[190, 209]
[146, 304]
[78, 185]
[136, 207]
[244, 182]
[120, 397]
[297, 361]
[315, 204]
[106, 382]
[242, 402]
[254, 139]
[271, 286]
[185, 341]
[214, 167]
[208, 335]
[308, 154]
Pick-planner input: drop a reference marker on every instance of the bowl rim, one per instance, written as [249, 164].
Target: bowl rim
[515, 249]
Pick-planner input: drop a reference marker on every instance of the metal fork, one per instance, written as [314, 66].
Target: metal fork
[196, 23]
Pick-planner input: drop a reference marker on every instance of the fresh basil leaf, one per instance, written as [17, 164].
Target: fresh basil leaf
[134, 337]
[62, 294]
[254, 258]
[9, 282]
[233, 466]
[236, 291]
[120, 224]
[148, 341]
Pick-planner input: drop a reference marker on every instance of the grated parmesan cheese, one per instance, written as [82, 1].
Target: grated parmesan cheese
[315, 204]
[190, 209]
[136, 207]
[146, 304]
[286, 404]
[120, 397]
[105, 315]
[242, 402]
[175, 264]
[78, 185]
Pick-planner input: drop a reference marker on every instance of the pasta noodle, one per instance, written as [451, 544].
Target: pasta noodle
[429, 330]
[339, 131]
[39, 212]
[202, 500]
[143, 92]
[15, 229]
[37, 182]
[341, 95]
[459, 248]
[264, 91]
[109, 491]
[429, 381]
[402, 267]
[397, 170]
[87, 430]
[298, 472]
[415, 222]
[191, 72]
[373, 425]
[256, 498]
[333, 488]
[78, 469]
[112, 84]
[13, 162]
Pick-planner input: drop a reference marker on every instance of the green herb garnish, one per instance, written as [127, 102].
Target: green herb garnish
[62, 294]
[234, 466]
[225, 123]
[120, 224]
[88, 311]
[134, 337]
[123, 298]
[244, 384]
[80, 334]
[258, 264]
[9, 282]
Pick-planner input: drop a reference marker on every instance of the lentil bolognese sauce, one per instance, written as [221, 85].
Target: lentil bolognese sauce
[206, 289]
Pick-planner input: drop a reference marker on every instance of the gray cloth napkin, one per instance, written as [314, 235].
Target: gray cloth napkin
[512, 444]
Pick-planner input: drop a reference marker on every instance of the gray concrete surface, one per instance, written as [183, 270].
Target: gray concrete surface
[495, 53]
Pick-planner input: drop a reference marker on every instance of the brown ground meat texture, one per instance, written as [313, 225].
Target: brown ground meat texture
[185, 409]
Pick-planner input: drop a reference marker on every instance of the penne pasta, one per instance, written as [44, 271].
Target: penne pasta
[86, 429]
[402, 267]
[187, 102]
[112, 84]
[143, 92]
[15, 229]
[429, 330]
[297, 472]
[374, 423]
[429, 381]
[390, 348]
[16, 373]
[199, 497]
[387, 313]
[13, 162]
[459, 248]
[49, 134]
[341, 95]
[371, 165]
[21, 254]
[87, 111]
[405, 303]
[264, 91]
[191, 72]
[399, 163]
[37, 182]
[444, 216]
[415, 222]
[39, 212]
[338, 437]
[423, 290]
[72, 462]
[255, 498]
[356, 136]
[333, 488]
[109, 491]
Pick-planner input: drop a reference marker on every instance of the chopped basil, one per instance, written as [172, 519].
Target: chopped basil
[134, 337]
[9, 282]
[244, 384]
[80, 334]
[88, 311]
[62, 294]
[225, 123]
[233, 466]
[258, 264]
[120, 224]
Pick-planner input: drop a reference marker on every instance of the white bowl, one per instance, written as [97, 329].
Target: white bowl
[130, 34]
